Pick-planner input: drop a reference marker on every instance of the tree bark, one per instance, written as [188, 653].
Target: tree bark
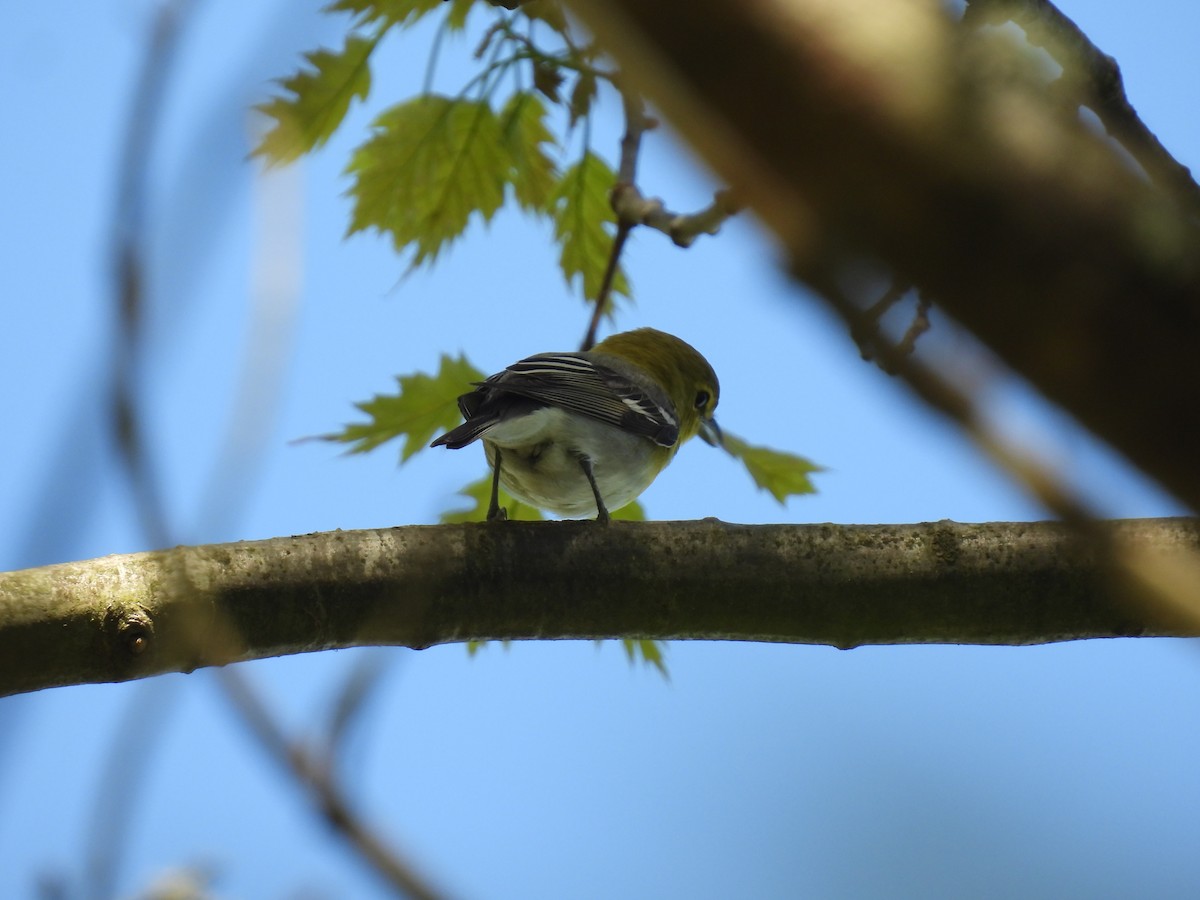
[125, 617]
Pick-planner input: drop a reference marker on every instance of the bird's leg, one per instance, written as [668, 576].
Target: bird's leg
[601, 510]
[496, 513]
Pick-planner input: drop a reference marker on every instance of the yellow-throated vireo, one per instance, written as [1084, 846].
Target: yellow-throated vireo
[580, 434]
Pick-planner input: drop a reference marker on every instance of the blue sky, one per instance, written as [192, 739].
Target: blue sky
[540, 770]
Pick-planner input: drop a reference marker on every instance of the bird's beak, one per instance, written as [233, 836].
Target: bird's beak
[710, 433]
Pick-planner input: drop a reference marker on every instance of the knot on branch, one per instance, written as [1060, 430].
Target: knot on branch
[129, 632]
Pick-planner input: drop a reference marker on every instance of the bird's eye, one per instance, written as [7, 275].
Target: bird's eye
[701, 399]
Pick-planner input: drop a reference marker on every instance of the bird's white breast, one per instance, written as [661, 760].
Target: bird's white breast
[540, 455]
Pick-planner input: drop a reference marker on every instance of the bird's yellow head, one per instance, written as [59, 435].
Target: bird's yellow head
[680, 370]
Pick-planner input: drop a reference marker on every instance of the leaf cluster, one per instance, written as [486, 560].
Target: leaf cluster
[434, 163]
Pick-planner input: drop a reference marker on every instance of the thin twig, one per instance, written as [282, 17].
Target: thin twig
[610, 274]
[636, 124]
[681, 228]
[632, 209]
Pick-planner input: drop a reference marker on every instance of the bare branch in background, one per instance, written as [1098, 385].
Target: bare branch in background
[873, 135]
[363, 682]
[1167, 582]
[129, 266]
[200, 631]
[1093, 79]
[118, 794]
[304, 767]
[140, 730]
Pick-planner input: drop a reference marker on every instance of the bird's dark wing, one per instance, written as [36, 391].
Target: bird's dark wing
[592, 388]
[571, 381]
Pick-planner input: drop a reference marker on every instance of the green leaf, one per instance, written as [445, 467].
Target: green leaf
[650, 652]
[480, 493]
[456, 19]
[532, 173]
[630, 512]
[392, 12]
[581, 210]
[430, 163]
[424, 405]
[783, 474]
[318, 101]
[473, 647]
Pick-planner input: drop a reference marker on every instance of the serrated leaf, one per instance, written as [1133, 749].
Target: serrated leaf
[480, 493]
[393, 12]
[581, 210]
[424, 405]
[431, 163]
[782, 474]
[533, 173]
[318, 101]
[582, 96]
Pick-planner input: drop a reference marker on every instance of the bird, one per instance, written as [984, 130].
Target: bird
[582, 434]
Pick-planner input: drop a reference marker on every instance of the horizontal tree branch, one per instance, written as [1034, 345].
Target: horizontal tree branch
[124, 617]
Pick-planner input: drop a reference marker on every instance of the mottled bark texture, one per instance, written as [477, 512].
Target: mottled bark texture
[125, 617]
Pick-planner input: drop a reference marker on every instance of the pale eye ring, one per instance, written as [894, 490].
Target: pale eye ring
[701, 399]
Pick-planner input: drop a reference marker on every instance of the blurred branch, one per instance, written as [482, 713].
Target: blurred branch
[196, 631]
[129, 269]
[363, 682]
[1093, 79]
[125, 617]
[1169, 584]
[138, 737]
[327, 795]
[119, 791]
[881, 134]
